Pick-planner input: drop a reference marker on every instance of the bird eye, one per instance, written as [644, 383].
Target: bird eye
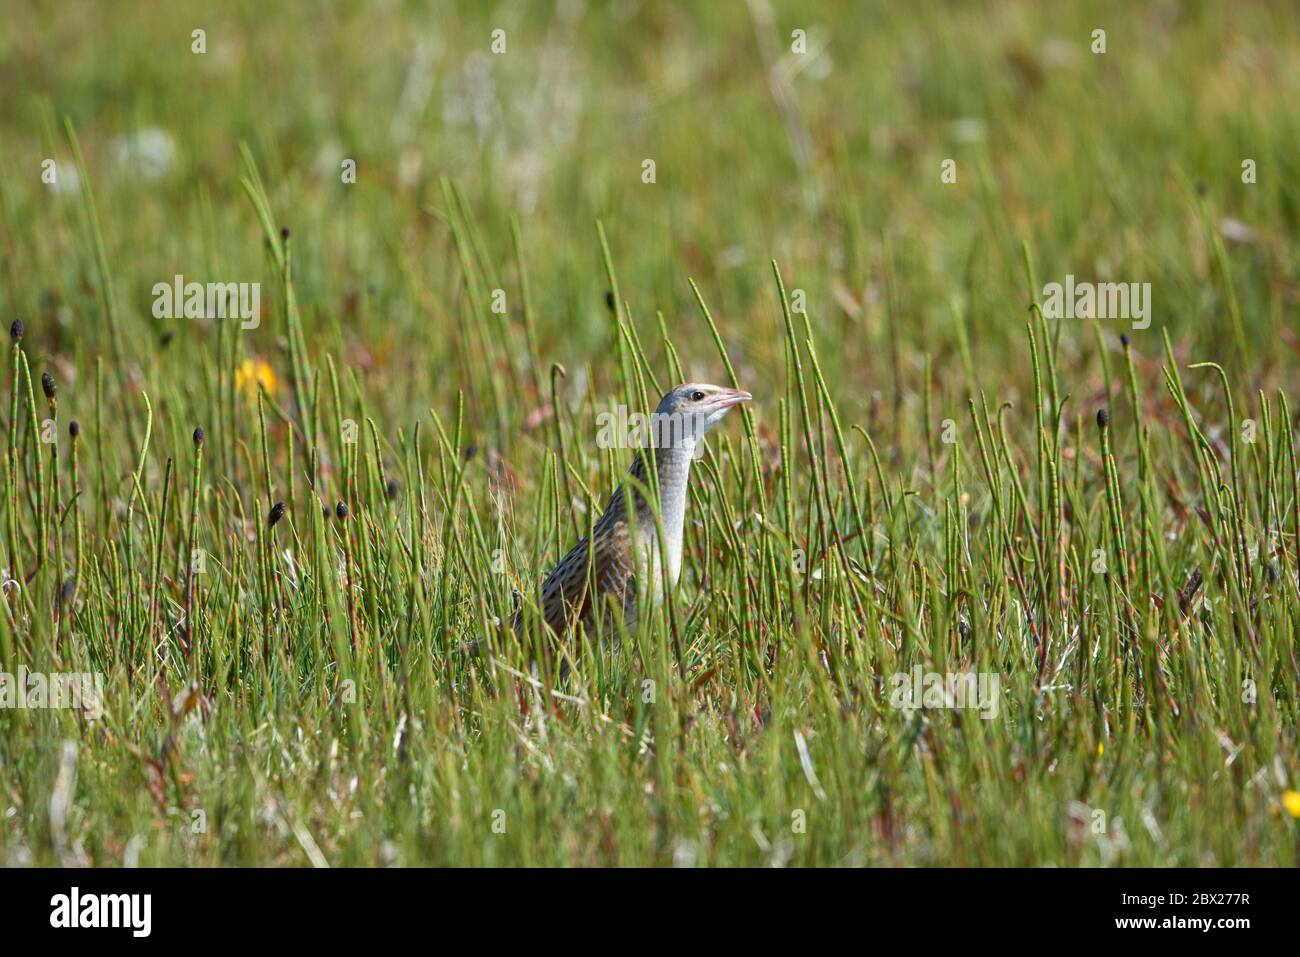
[697, 396]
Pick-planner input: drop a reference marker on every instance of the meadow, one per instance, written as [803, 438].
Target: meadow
[457, 235]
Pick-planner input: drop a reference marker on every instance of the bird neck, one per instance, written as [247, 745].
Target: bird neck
[672, 471]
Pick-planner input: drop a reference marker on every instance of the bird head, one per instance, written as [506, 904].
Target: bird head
[690, 410]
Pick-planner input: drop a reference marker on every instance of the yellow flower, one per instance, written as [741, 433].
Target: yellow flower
[252, 373]
[1291, 801]
[1101, 748]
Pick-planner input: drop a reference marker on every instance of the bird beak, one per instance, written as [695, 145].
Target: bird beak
[729, 397]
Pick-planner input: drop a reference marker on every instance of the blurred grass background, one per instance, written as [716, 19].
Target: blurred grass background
[828, 162]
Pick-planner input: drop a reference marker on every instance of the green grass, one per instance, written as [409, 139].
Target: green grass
[921, 480]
